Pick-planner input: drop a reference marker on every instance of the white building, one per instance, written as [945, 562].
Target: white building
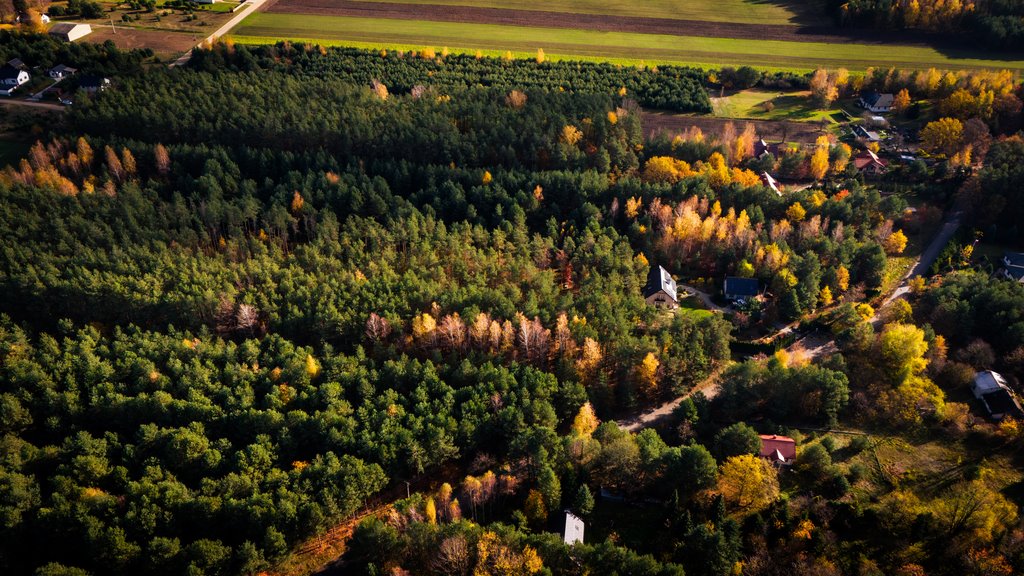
[69, 31]
[11, 77]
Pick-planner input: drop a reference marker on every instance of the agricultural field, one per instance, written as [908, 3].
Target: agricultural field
[740, 11]
[627, 47]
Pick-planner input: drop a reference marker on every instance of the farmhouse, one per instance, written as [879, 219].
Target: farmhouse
[737, 288]
[876, 102]
[780, 450]
[869, 163]
[660, 290]
[10, 78]
[990, 388]
[762, 149]
[1013, 266]
[771, 183]
[61, 71]
[69, 31]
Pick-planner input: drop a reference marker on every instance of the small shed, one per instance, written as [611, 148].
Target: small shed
[70, 31]
[737, 288]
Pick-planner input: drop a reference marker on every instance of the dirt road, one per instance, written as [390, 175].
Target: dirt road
[251, 6]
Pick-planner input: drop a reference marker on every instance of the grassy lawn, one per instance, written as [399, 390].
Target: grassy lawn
[692, 306]
[793, 106]
[623, 47]
[740, 11]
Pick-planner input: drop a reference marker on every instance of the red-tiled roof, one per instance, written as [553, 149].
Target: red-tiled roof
[784, 444]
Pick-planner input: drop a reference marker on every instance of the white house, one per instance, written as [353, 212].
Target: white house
[70, 31]
[877, 103]
[10, 78]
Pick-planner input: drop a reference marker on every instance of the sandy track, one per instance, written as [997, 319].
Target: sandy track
[475, 15]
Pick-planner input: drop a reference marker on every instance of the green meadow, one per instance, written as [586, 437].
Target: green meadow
[623, 47]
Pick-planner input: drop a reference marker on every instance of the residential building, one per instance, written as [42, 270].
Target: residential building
[11, 77]
[660, 290]
[876, 102]
[572, 531]
[996, 396]
[61, 71]
[869, 163]
[1013, 266]
[780, 450]
[737, 288]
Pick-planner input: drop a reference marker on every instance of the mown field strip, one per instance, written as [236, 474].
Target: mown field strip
[739, 11]
[621, 46]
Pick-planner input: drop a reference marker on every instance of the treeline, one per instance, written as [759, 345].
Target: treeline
[995, 24]
[47, 51]
[666, 87]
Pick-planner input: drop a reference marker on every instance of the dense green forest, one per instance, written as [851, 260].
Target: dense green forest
[667, 87]
[234, 317]
[995, 24]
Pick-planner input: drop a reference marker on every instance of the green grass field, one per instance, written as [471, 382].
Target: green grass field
[739, 11]
[750, 104]
[621, 47]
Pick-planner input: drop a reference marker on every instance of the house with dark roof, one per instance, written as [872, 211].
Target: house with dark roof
[996, 396]
[61, 71]
[869, 135]
[779, 450]
[93, 84]
[660, 290]
[771, 183]
[737, 288]
[1013, 266]
[762, 148]
[876, 102]
[10, 78]
[869, 163]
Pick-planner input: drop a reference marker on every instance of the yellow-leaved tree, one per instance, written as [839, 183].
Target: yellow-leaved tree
[647, 375]
[586, 421]
[748, 483]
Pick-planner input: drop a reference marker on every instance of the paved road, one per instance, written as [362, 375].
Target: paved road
[249, 8]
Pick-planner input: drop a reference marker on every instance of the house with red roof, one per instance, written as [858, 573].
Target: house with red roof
[779, 450]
